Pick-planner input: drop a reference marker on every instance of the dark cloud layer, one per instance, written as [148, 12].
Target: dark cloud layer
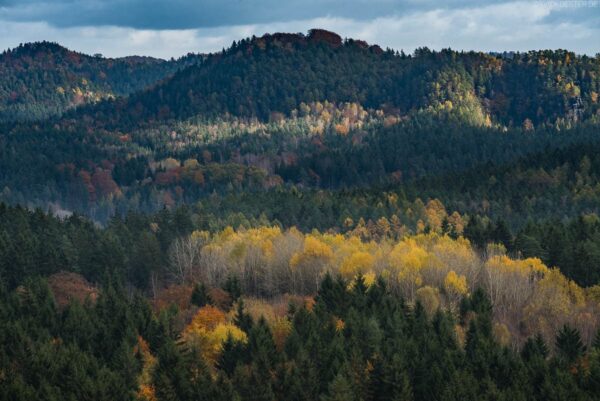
[188, 14]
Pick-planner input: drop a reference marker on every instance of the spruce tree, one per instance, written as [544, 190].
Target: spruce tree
[340, 389]
[261, 346]
[200, 295]
[242, 319]
[541, 346]
[231, 355]
[596, 343]
[170, 377]
[569, 346]
[233, 287]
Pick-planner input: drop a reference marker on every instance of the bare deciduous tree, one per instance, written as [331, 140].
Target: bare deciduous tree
[184, 257]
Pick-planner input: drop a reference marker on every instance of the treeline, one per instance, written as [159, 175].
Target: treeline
[570, 245]
[166, 311]
[35, 244]
[263, 77]
[573, 245]
[438, 266]
[275, 73]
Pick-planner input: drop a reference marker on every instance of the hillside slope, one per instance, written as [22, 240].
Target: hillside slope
[39, 80]
[263, 77]
[292, 113]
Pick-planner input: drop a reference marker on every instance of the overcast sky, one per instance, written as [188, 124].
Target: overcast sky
[171, 28]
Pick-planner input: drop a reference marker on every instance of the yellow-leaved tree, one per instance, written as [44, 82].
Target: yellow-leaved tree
[407, 259]
[429, 299]
[455, 287]
[207, 332]
[308, 264]
[357, 263]
[554, 301]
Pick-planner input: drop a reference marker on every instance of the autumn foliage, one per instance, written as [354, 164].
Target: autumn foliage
[438, 271]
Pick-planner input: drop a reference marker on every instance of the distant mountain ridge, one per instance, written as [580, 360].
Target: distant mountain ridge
[43, 79]
[276, 73]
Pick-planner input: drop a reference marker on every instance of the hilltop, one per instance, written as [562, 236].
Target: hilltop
[274, 74]
[43, 79]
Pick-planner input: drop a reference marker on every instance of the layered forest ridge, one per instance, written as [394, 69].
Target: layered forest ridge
[44, 79]
[299, 217]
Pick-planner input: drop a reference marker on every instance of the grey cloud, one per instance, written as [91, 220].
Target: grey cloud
[165, 29]
[188, 14]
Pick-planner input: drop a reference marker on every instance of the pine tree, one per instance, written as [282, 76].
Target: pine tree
[401, 389]
[478, 302]
[233, 287]
[479, 347]
[542, 348]
[170, 376]
[333, 295]
[376, 295]
[359, 293]
[146, 258]
[502, 235]
[569, 346]
[475, 231]
[392, 382]
[301, 381]
[231, 355]
[242, 319]
[534, 347]
[340, 389]
[596, 343]
[201, 385]
[594, 372]
[226, 391]
[200, 295]
[4, 252]
[261, 345]
[254, 382]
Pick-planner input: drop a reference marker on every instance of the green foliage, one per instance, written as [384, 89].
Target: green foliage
[386, 351]
[233, 287]
[307, 131]
[200, 295]
[43, 79]
[242, 319]
[254, 78]
[340, 389]
[569, 346]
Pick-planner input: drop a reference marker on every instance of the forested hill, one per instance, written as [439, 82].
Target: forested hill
[294, 113]
[274, 74]
[43, 79]
[302, 218]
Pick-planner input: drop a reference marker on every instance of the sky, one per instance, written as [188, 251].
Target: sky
[172, 28]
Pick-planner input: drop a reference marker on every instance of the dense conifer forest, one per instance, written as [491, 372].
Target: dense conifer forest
[44, 79]
[299, 217]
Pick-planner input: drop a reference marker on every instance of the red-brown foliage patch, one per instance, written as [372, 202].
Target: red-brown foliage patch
[321, 35]
[220, 298]
[103, 182]
[68, 286]
[376, 49]
[179, 295]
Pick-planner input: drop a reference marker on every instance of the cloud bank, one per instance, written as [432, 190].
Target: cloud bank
[166, 29]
